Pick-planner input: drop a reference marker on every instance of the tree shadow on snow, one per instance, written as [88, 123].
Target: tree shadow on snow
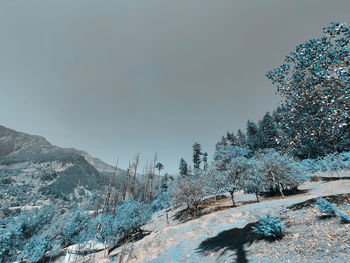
[230, 240]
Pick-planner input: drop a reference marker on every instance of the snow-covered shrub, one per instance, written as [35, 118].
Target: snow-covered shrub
[269, 227]
[325, 207]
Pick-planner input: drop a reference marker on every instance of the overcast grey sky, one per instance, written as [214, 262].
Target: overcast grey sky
[121, 77]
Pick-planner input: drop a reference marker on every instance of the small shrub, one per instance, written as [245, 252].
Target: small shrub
[330, 210]
[326, 207]
[344, 218]
[269, 227]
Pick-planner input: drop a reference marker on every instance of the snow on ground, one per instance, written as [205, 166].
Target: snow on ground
[178, 242]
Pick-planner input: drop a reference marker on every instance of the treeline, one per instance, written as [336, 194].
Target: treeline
[262, 135]
[312, 124]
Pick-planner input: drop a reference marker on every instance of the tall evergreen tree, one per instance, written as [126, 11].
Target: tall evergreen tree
[159, 167]
[183, 167]
[197, 152]
[253, 140]
[164, 183]
[205, 161]
[231, 138]
[221, 143]
[269, 131]
[241, 139]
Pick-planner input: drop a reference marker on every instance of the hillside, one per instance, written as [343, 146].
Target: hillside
[226, 235]
[32, 169]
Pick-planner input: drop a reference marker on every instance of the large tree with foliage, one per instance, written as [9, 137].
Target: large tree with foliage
[314, 82]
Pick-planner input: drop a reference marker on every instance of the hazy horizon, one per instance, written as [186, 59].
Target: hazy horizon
[123, 77]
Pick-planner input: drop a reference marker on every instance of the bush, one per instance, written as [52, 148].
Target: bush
[344, 218]
[269, 227]
[162, 201]
[328, 209]
[128, 217]
[35, 235]
[325, 207]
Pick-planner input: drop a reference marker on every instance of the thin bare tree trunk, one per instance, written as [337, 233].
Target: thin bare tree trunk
[109, 191]
[126, 183]
[132, 188]
[152, 178]
[232, 198]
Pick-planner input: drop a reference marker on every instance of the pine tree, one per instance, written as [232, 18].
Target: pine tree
[241, 139]
[268, 131]
[253, 140]
[205, 161]
[159, 167]
[221, 143]
[197, 152]
[164, 183]
[183, 168]
[231, 139]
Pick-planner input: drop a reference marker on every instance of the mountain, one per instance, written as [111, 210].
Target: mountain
[31, 168]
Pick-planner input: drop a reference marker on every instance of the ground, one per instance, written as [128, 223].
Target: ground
[224, 235]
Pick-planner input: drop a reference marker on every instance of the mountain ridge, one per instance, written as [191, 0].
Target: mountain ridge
[34, 165]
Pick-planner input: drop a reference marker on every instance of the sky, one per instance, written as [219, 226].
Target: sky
[116, 78]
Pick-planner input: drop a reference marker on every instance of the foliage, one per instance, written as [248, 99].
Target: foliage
[269, 227]
[254, 180]
[343, 217]
[254, 137]
[331, 162]
[129, 216]
[314, 82]
[41, 233]
[231, 165]
[159, 166]
[183, 167]
[189, 190]
[281, 170]
[328, 163]
[326, 207]
[27, 233]
[225, 154]
[197, 152]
